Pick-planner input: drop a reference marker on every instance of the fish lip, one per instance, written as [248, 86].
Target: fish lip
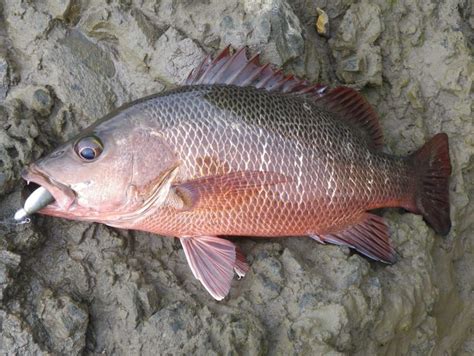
[63, 195]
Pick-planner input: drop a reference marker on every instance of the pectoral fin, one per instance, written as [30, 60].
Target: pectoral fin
[215, 192]
[369, 237]
[213, 261]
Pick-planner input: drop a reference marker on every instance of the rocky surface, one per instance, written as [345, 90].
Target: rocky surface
[72, 288]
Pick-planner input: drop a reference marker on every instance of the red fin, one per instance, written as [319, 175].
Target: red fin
[238, 69]
[354, 108]
[433, 167]
[241, 267]
[213, 261]
[369, 237]
[206, 192]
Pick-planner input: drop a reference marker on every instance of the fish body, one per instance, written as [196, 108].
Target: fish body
[259, 154]
[318, 173]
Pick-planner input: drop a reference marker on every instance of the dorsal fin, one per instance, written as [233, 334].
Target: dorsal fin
[353, 107]
[238, 69]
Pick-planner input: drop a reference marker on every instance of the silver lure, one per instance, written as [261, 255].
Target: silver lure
[36, 201]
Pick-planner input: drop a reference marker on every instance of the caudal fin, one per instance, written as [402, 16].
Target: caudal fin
[433, 166]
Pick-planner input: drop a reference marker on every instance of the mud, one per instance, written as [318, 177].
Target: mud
[74, 288]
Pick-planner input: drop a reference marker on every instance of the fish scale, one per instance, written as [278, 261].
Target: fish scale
[230, 124]
[242, 150]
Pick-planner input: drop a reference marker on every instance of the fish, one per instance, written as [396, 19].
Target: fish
[242, 149]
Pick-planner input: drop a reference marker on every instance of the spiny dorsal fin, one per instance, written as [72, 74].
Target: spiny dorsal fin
[238, 69]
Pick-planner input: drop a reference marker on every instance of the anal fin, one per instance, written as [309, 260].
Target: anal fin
[369, 237]
[213, 261]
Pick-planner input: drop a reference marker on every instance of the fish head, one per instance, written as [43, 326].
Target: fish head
[111, 172]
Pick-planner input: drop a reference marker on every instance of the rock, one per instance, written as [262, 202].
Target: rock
[4, 78]
[8, 261]
[80, 66]
[175, 57]
[59, 9]
[270, 279]
[237, 334]
[274, 22]
[64, 123]
[354, 46]
[87, 288]
[65, 323]
[413, 95]
[135, 41]
[314, 330]
[268, 26]
[42, 102]
[17, 143]
[16, 337]
[24, 25]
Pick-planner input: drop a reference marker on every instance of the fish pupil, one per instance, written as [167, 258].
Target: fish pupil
[88, 153]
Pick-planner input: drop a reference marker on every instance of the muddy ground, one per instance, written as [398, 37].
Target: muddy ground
[72, 288]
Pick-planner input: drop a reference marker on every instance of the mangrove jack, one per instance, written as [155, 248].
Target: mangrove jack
[244, 150]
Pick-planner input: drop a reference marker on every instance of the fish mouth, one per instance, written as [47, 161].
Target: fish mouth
[64, 196]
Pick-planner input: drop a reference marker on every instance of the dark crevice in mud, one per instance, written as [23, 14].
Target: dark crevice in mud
[466, 11]
[91, 342]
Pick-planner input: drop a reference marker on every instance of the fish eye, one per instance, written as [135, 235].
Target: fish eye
[88, 148]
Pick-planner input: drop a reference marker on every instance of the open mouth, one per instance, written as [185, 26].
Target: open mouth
[29, 188]
[63, 195]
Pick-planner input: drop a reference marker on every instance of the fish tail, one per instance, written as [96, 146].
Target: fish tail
[433, 168]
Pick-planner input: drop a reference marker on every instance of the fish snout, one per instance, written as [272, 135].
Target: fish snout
[63, 195]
